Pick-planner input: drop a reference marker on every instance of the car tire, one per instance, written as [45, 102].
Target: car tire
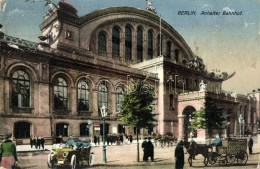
[49, 162]
[73, 162]
[91, 159]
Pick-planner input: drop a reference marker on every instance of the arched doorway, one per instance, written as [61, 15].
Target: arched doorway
[187, 120]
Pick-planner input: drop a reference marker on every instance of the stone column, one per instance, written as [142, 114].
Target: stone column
[73, 100]
[113, 103]
[95, 103]
[181, 126]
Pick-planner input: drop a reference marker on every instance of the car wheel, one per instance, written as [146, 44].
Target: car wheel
[49, 162]
[91, 159]
[73, 162]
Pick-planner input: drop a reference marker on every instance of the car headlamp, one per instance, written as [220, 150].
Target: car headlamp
[65, 154]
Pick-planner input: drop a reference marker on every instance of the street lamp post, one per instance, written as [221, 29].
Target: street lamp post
[104, 114]
[175, 80]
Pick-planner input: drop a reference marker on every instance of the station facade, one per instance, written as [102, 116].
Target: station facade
[57, 87]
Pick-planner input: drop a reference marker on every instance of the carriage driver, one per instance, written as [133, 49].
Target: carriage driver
[217, 142]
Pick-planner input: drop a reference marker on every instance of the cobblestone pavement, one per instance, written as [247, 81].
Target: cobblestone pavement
[126, 156]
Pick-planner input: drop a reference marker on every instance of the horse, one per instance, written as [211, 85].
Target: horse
[194, 149]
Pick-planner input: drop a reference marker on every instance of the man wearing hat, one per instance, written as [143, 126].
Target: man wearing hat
[8, 152]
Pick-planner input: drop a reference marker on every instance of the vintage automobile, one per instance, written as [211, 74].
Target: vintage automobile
[73, 154]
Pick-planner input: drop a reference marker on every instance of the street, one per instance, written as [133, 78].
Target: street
[124, 157]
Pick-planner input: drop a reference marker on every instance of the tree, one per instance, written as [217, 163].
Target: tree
[208, 117]
[137, 107]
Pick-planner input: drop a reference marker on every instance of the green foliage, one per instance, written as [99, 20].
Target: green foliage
[198, 119]
[209, 117]
[137, 106]
[214, 114]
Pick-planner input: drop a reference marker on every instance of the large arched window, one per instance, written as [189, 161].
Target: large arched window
[22, 130]
[102, 95]
[20, 89]
[62, 129]
[102, 43]
[116, 42]
[150, 44]
[128, 43]
[159, 45]
[83, 96]
[84, 129]
[60, 94]
[119, 98]
[139, 46]
[168, 49]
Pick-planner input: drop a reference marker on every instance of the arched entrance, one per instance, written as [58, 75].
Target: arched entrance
[187, 120]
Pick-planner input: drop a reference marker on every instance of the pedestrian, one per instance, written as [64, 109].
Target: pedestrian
[31, 141]
[42, 141]
[107, 139]
[38, 142]
[95, 139]
[121, 138]
[145, 150]
[250, 145]
[98, 139]
[130, 138]
[179, 155]
[150, 149]
[34, 142]
[8, 154]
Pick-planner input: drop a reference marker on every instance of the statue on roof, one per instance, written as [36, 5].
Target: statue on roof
[196, 63]
[150, 6]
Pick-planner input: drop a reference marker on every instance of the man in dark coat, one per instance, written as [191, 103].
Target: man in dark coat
[42, 141]
[95, 139]
[150, 149]
[250, 145]
[179, 156]
[144, 147]
[31, 141]
[130, 138]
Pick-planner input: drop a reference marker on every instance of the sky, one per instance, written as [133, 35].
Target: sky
[229, 43]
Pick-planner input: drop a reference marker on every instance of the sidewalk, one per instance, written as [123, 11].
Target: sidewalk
[126, 155]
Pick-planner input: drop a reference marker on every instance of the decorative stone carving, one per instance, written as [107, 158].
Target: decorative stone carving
[203, 86]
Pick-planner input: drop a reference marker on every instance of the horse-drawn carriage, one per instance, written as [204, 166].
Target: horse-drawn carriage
[232, 150]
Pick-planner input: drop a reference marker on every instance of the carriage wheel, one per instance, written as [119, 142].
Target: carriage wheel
[223, 161]
[73, 162]
[231, 158]
[91, 159]
[49, 162]
[242, 157]
[212, 158]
